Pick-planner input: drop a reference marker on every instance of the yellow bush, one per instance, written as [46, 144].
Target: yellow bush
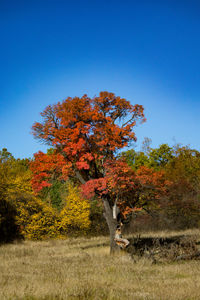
[76, 212]
[36, 219]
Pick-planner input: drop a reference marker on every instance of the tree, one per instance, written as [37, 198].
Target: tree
[185, 165]
[146, 145]
[15, 179]
[86, 134]
[183, 170]
[135, 159]
[160, 157]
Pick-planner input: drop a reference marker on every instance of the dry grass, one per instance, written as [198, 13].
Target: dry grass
[83, 269]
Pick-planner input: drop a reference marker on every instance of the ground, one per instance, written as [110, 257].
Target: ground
[81, 268]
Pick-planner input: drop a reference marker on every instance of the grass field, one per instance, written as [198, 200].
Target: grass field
[83, 269]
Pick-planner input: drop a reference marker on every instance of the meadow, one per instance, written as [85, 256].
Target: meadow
[82, 268]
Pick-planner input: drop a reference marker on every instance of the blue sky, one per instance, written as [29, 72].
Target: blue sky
[145, 51]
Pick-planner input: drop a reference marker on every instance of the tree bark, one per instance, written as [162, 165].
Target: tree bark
[112, 225]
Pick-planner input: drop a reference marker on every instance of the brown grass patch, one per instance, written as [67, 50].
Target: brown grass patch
[83, 269]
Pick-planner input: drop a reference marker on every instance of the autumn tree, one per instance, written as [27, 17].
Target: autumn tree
[182, 204]
[15, 179]
[86, 134]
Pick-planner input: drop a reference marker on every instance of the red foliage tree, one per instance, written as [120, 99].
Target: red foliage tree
[86, 135]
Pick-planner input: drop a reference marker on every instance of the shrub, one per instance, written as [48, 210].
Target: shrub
[36, 219]
[76, 211]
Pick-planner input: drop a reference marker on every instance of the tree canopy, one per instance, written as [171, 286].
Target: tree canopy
[88, 131]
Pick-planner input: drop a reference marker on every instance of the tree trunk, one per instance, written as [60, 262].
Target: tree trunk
[112, 225]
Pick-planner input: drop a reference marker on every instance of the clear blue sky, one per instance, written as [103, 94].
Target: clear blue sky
[145, 51]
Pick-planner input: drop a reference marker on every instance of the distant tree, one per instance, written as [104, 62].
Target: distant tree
[156, 158]
[129, 156]
[5, 156]
[160, 157]
[146, 145]
[185, 165]
[183, 202]
[135, 159]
